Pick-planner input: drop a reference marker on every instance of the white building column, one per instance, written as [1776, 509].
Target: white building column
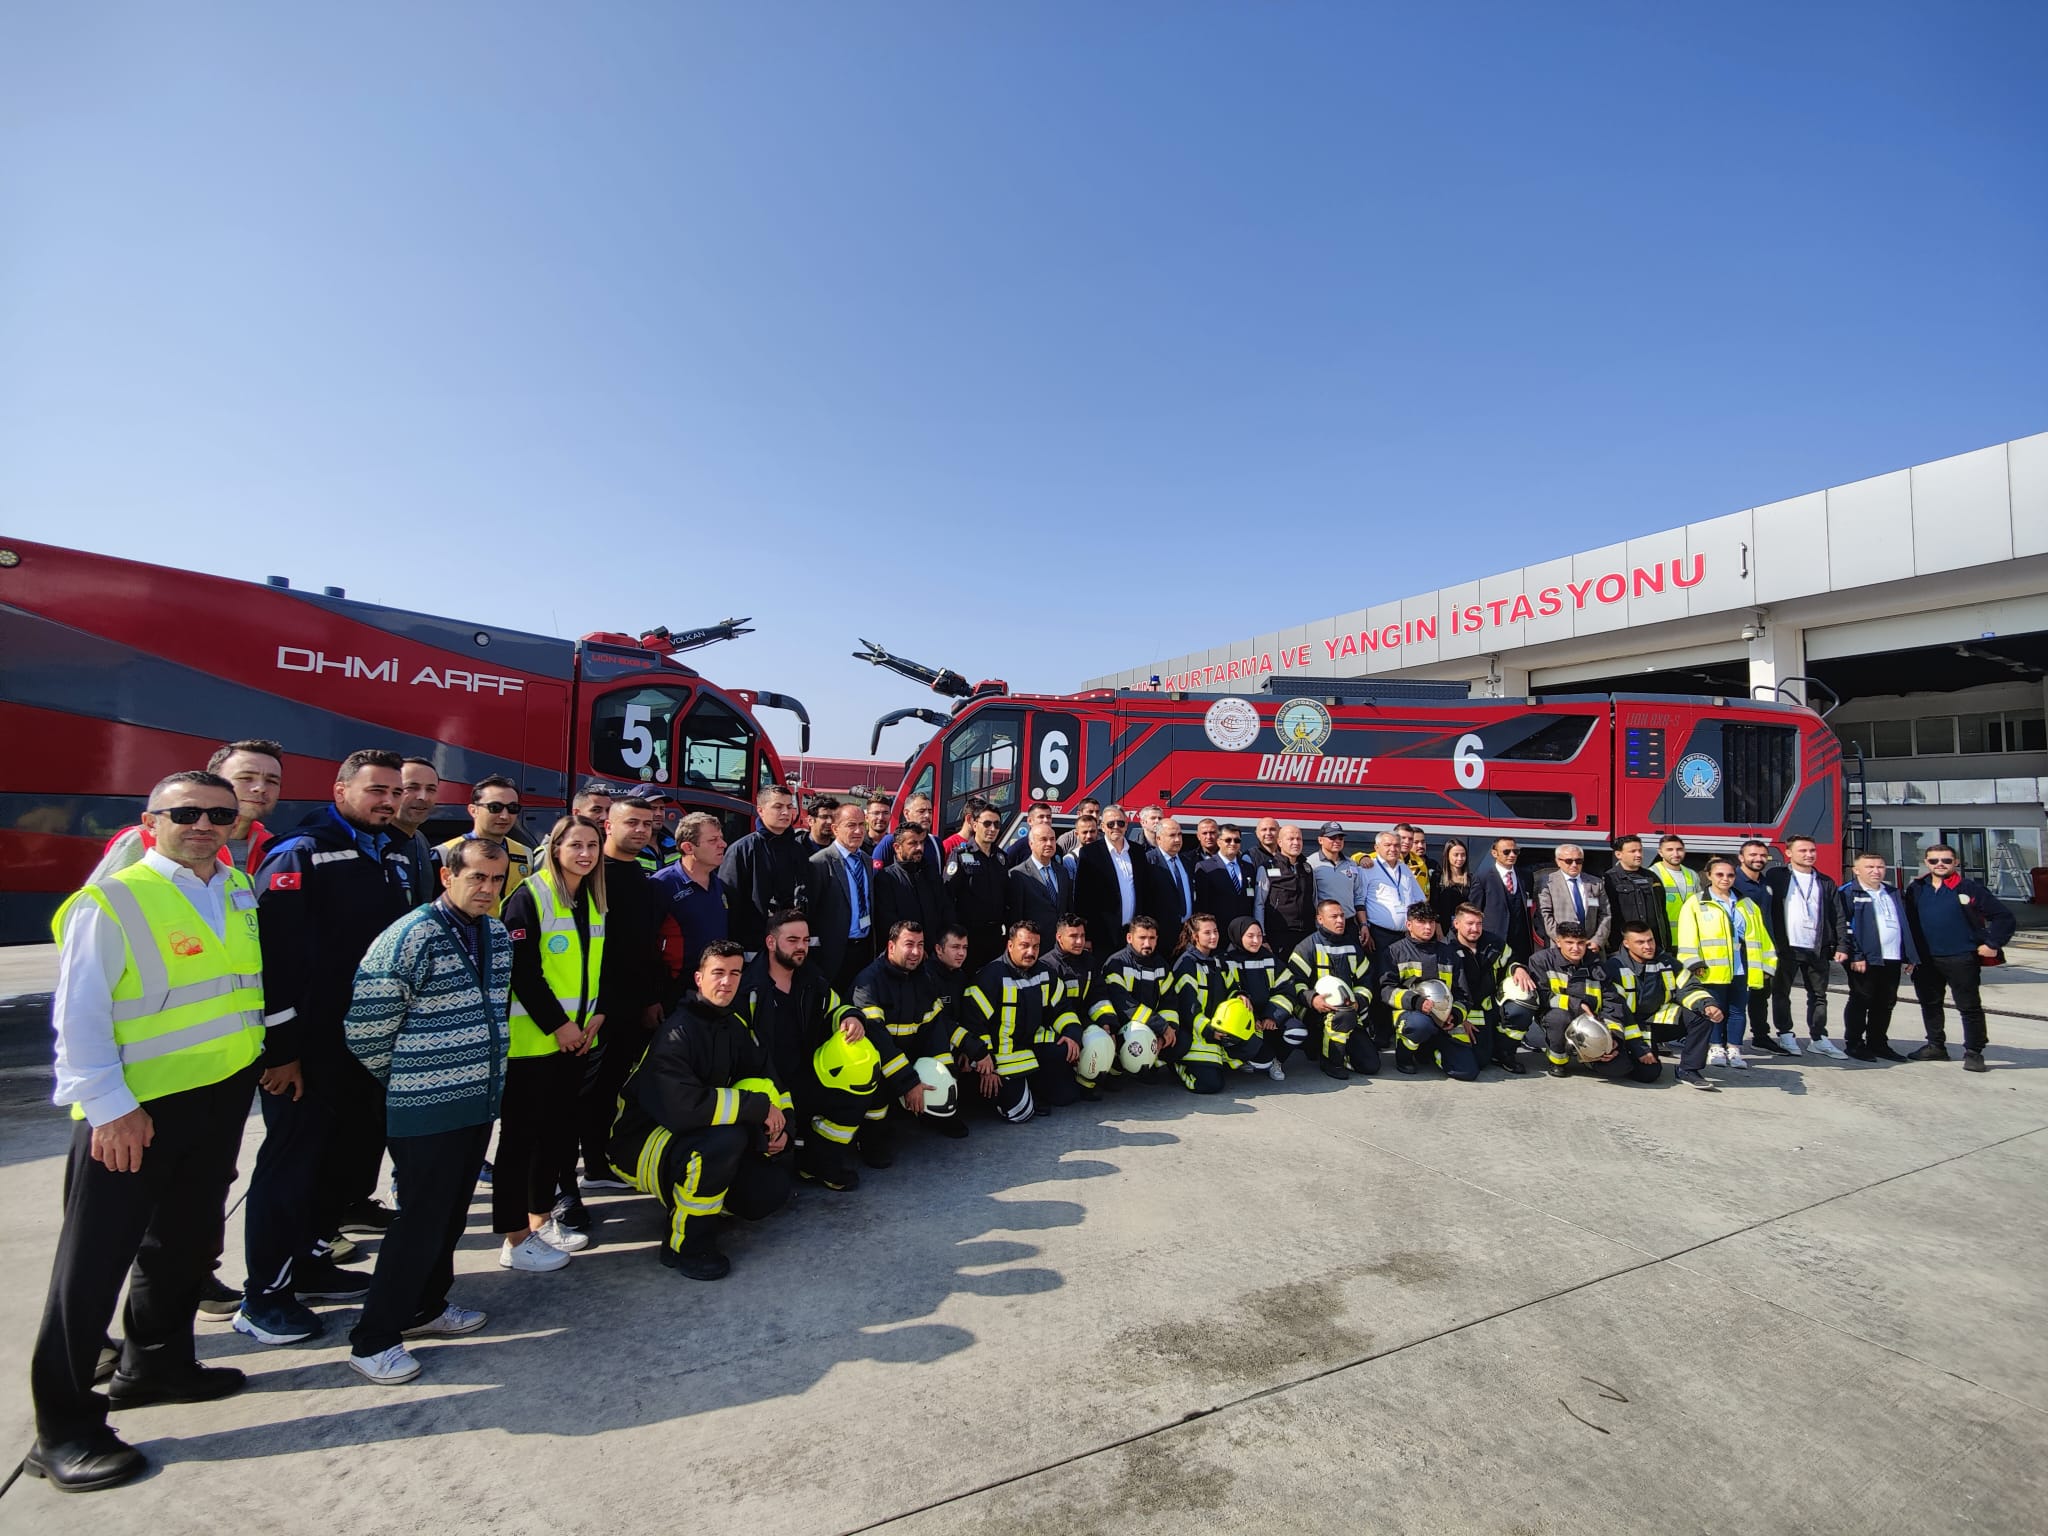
[1505, 682]
[1778, 653]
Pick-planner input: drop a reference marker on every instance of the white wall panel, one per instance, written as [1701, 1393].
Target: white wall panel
[2027, 472]
[1556, 626]
[1725, 550]
[1499, 637]
[1414, 609]
[1596, 618]
[1652, 552]
[1962, 512]
[1465, 642]
[1790, 556]
[1870, 531]
[1377, 618]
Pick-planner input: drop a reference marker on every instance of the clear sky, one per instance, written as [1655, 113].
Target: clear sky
[1035, 340]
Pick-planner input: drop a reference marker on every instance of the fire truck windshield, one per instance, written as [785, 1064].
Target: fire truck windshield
[633, 737]
[716, 742]
[981, 759]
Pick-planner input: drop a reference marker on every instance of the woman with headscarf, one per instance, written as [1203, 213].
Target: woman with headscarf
[1255, 974]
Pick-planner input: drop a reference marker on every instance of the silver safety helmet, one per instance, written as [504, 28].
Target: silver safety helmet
[1512, 991]
[1435, 992]
[1098, 1052]
[1588, 1039]
[1335, 991]
[1140, 1048]
[941, 1090]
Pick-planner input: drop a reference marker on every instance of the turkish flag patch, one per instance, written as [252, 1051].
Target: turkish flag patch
[516, 934]
[285, 880]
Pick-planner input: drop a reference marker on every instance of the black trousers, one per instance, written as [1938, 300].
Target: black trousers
[1960, 974]
[1810, 969]
[1698, 1040]
[355, 1150]
[860, 954]
[620, 1044]
[537, 1132]
[416, 1263]
[1624, 1067]
[290, 1203]
[703, 1173]
[159, 1228]
[1873, 993]
[1420, 1033]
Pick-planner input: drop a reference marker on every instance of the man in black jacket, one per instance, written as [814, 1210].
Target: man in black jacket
[977, 885]
[1503, 894]
[1958, 925]
[908, 1016]
[766, 870]
[908, 890]
[324, 892]
[702, 1124]
[1109, 882]
[1634, 895]
[1227, 884]
[1170, 883]
[1805, 925]
[633, 981]
[1284, 902]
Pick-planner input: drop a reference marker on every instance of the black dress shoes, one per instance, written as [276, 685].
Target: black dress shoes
[101, 1460]
[196, 1384]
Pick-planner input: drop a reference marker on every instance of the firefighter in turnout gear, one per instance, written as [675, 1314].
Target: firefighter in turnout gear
[1649, 990]
[1569, 982]
[1219, 1043]
[1427, 1027]
[701, 1123]
[1135, 984]
[1484, 965]
[1083, 989]
[1335, 1034]
[792, 1009]
[978, 885]
[907, 1016]
[1258, 976]
[1016, 1005]
[1198, 984]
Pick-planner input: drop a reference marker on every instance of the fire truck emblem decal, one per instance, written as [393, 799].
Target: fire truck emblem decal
[1232, 724]
[1699, 776]
[1302, 725]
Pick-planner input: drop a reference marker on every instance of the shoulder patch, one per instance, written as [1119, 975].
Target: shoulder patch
[284, 880]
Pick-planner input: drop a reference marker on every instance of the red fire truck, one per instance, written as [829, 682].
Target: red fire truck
[1368, 754]
[116, 673]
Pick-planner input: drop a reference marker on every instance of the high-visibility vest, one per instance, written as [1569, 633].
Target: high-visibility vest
[188, 1005]
[571, 974]
[1706, 940]
[517, 873]
[1678, 884]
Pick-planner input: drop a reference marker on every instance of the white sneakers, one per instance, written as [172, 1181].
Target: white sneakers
[1736, 1058]
[532, 1255]
[387, 1369]
[1717, 1055]
[564, 1239]
[1273, 1070]
[1790, 1042]
[1823, 1046]
[453, 1320]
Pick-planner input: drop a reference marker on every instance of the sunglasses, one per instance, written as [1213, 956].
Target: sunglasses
[1939, 863]
[188, 815]
[1571, 861]
[1116, 823]
[498, 807]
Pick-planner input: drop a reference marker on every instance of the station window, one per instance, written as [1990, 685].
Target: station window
[716, 744]
[1948, 735]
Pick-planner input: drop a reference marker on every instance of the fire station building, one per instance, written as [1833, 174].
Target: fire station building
[1912, 608]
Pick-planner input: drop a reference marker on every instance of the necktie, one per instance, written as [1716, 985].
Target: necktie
[860, 895]
[1578, 901]
[1051, 883]
[1180, 878]
[1507, 878]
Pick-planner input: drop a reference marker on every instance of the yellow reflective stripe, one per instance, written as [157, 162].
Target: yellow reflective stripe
[177, 997]
[832, 1130]
[726, 1108]
[879, 1112]
[647, 1167]
[192, 1034]
[894, 1064]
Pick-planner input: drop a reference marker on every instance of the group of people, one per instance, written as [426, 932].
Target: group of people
[638, 1006]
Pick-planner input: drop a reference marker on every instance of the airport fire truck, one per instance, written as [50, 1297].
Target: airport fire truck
[114, 673]
[1367, 754]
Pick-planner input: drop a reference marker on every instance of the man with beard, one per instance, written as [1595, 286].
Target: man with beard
[765, 871]
[908, 890]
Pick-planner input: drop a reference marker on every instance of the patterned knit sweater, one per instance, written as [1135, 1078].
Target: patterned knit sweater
[427, 1028]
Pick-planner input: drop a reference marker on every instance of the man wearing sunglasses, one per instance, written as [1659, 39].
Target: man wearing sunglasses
[1959, 927]
[158, 1013]
[493, 814]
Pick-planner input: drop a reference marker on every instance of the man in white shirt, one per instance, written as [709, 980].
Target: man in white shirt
[1877, 948]
[1804, 916]
[1107, 875]
[160, 1081]
[1390, 889]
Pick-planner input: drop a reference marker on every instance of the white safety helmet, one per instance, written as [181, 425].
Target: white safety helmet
[1512, 991]
[1140, 1048]
[1098, 1052]
[1435, 993]
[1588, 1039]
[1336, 992]
[941, 1090]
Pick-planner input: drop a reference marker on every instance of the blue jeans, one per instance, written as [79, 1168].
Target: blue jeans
[1733, 996]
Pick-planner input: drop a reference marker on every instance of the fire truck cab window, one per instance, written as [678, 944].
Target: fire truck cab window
[716, 746]
[630, 732]
[981, 759]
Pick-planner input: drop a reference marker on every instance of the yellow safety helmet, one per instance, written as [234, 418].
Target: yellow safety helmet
[1234, 1018]
[848, 1065]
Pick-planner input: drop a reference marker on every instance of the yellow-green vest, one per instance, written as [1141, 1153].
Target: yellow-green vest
[1678, 884]
[571, 975]
[1706, 940]
[188, 1005]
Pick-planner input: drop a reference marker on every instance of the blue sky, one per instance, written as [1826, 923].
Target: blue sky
[1031, 339]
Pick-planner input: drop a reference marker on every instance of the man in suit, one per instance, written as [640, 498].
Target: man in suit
[841, 905]
[1877, 949]
[1805, 925]
[1503, 896]
[908, 890]
[1569, 895]
[1109, 882]
[1172, 900]
[1040, 888]
[1037, 814]
[1226, 886]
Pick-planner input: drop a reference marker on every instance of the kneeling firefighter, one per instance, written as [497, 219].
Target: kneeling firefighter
[701, 1121]
[1331, 980]
[907, 1015]
[1421, 974]
[1137, 984]
[1225, 1041]
[1650, 993]
[1569, 984]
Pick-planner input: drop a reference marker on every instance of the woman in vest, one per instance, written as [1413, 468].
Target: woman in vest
[556, 921]
[1724, 941]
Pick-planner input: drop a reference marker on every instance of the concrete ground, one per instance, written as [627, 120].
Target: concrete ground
[1814, 1302]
